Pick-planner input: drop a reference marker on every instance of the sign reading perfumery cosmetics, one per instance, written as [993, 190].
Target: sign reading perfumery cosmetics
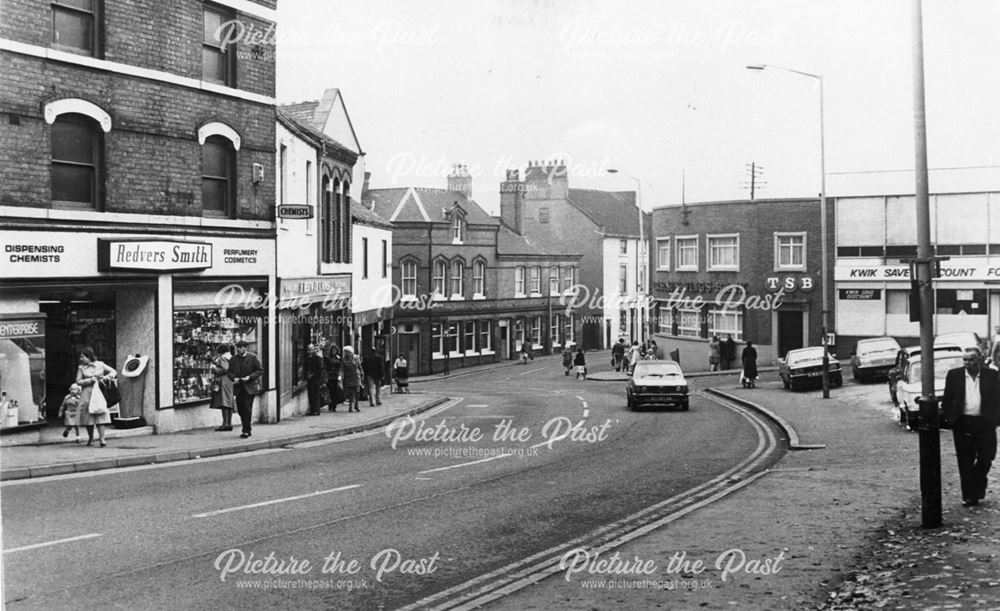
[152, 255]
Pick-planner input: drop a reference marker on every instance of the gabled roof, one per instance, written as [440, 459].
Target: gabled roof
[421, 205]
[316, 115]
[614, 212]
[313, 136]
[362, 215]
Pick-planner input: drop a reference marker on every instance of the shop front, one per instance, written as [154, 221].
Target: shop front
[170, 302]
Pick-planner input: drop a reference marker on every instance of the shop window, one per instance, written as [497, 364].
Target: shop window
[688, 323]
[217, 61]
[469, 343]
[77, 145]
[197, 336]
[451, 340]
[536, 331]
[897, 302]
[75, 25]
[962, 302]
[217, 170]
[569, 335]
[437, 340]
[554, 324]
[518, 333]
[664, 320]
[485, 336]
[726, 322]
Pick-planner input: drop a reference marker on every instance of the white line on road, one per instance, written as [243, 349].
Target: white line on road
[477, 405]
[48, 543]
[265, 503]
[379, 431]
[530, 371]
[465, 464]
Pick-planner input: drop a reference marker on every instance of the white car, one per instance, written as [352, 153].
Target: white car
[657, 383]
[874, 357]
[908, 387]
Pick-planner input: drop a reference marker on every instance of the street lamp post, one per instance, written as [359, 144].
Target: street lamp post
[641, 251]
[822, 223]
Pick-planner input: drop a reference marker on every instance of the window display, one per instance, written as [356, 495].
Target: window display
[197, 336]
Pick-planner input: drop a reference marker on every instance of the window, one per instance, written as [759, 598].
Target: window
[568, 279]
[554, 324]
[623, 247]
[216, 59]
[76, 160]
[543, 214]
[217, 161]
[518, 281]
[960, 301]
[554, 281]
[723, 322]
[664, 320]
[518, 333]
[283, 177]
[724, 252]
[790, 251]
[451, 339]
[364, 257]
[536, 330]
[344, 219]
[485, 336]
[409, 276]
[330, 220]
[569, 336]
[687, 253]
[457, 228]
[457, 279]
[74, 25]
[897, 302]
[440, 271]
[437, 340]
[688, 323]
[536, 280]
[470, 336]
[479, 277]
[623, 279]
[663, 254]
[385, 258]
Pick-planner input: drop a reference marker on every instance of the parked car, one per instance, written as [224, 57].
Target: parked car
[902, 360]
[657, 383]
[873, 358]
[962, 339]
[908, 389]
[804, 367]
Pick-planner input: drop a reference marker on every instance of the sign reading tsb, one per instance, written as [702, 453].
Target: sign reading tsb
[152, 255]
[295, 211]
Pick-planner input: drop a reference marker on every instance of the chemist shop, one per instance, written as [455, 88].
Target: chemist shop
[873, 300]
[155, 308]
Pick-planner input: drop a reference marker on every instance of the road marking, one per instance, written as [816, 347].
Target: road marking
[273, 502]
[378, 431]
[465, 464]
[477, 405]
[48, 543]
[425, 478]
[530, 371]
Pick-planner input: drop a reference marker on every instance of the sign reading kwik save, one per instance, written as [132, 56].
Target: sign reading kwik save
[152, 255]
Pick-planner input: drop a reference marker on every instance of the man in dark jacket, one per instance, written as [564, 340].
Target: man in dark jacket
[332, 360]
[316, 379]
[618, 353]
[971, 406]
[246, 371]
[374, 365]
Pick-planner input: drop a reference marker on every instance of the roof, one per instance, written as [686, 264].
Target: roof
[362, 215]
[314, 136]
[316, 114]
[422, 205]
[614, 212]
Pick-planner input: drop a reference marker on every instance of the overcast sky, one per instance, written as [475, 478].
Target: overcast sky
[657, 89]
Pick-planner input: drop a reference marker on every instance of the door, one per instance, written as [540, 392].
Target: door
[409, 345]
[504, 343]
[789, 331]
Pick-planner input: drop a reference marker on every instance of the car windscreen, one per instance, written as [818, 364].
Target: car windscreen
[801, 356]
[942, 365]
[881, 345]
[656, 370]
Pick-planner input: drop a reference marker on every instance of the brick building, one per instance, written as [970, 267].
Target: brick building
[137, 195]
[720, 268]
[469, 290]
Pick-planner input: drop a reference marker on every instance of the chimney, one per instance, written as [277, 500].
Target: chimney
[511, 202]
[364, 185]
[460, 181]
[546, 180]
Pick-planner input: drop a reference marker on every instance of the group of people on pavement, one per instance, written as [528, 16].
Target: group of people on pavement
[334, 377]
[624, 357]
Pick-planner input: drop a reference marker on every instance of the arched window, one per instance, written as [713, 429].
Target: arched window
[345, 222]
[333, 222]
[440, 275]
[409, 278]
[325, 220]
[479, 278]
[457, 277]
[457, 227]
[218, 184]
[77, 147]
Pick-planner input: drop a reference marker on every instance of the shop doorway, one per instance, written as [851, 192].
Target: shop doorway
[789, 332]
[73, 322]
[504, 343]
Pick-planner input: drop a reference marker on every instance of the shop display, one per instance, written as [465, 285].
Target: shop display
[197, 336]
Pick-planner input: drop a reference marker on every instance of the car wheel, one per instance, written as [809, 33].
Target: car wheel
[792, 385]
[787, 383]
[837, 380]
[685, 406]
[857, 376]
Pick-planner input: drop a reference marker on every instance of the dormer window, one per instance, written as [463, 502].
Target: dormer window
[457, 228]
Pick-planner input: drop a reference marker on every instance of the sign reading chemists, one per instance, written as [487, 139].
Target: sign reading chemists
[152, 255]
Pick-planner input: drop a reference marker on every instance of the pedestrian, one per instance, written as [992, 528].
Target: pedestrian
[654, 349]
[749, 360]
[634, 356]
[567, 359]
[69, 411]
[331, 359]
[223, 397]
[373, 364]
[580, 362]
[525, 353]
[350, 377]
[618, 354]
[246, 371]
[714, 353]
[971, 407]
[316, 379]
[401, 371]
[728, 352]
[88, 376]
[994, 356]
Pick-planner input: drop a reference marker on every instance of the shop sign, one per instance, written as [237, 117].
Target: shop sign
[152, 255]
[295, 211]
[22, 327]
[317, 288]
[790, 284]
[703, 288]
[860, 294]
[958, 269]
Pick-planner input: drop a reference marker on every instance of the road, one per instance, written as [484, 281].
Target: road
[521, 463]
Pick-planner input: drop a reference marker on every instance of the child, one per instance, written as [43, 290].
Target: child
[69, 411]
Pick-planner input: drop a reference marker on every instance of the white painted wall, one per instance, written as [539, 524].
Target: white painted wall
[375, 290]
[298, 240]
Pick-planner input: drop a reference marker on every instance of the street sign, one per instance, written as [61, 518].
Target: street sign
[830, 339]
[295, 211]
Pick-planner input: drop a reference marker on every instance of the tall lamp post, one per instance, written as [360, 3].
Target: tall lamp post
[640, 248]
[822, 211]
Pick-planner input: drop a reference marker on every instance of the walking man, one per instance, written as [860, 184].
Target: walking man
[618, 354]
[972, 406]
[373, 364]
[245, 370]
